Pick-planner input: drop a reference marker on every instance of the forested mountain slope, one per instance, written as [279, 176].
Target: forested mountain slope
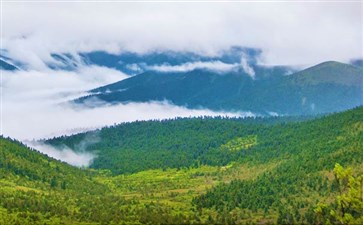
[202, 170]
[324, 88]
[137, 146]
[36, 189]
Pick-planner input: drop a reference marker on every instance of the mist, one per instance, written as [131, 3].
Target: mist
[65, 154]
[215, 66]
[36, 105]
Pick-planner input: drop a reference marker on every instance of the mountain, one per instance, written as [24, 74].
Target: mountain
[36, 189]
[330, 73]
[190, 171]
[138, 146]
[327, 87]
[66, 61]
[135, 63]
[254, 164]
[132, 63]
[6, 65]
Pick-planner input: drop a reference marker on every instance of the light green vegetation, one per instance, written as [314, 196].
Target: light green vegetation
[282, 178]
[240, 143]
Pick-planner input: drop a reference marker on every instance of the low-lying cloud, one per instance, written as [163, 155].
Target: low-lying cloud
[46, 119]
[247, 68]
[79, 156]
[35, 105]
[215, 66]
[75, 158]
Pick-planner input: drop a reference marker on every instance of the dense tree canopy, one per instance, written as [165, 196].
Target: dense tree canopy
[199, 170]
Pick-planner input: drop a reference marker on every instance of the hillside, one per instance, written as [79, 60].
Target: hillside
[324, 88]
[137, 146]
[36, 189]
[202, 170]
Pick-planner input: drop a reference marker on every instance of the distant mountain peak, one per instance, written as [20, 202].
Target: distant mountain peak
[330, 72]
[326, 87]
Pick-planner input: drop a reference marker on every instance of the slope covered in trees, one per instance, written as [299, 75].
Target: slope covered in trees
[176, 143]
[36, 189]
[248, 171]
[138, 146]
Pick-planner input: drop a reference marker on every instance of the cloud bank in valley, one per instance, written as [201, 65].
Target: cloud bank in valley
[35, 105]
[34, 102]
[289, 33]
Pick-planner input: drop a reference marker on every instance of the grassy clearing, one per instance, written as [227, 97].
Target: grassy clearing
[240, 143]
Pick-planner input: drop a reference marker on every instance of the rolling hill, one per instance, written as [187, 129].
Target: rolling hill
[202, 170]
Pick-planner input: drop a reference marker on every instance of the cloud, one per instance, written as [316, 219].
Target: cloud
[247, 68]
[65, 154]
[35, 104]
[45, 120]
[216, 66]
[49, 121]
[289, 33]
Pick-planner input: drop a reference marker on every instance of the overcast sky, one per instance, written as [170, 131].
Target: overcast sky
[288, 32]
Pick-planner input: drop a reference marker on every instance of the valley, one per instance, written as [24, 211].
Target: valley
[182, 112]
[281, 176]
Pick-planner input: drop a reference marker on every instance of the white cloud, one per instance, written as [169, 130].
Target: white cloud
[26, 86]
[247, 68]
[287, 32]
[216, 66]
[34, 104]
[79, 159]
[45, 120]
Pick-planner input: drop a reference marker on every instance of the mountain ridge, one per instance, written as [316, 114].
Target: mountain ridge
[237, 160]
[312, 91]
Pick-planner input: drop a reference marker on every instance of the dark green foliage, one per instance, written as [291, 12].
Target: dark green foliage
[308, 149]
[138, 146]
[294, 160]
[36, 189]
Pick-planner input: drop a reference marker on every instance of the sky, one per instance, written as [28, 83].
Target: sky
[288, 32]
[35, 102]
